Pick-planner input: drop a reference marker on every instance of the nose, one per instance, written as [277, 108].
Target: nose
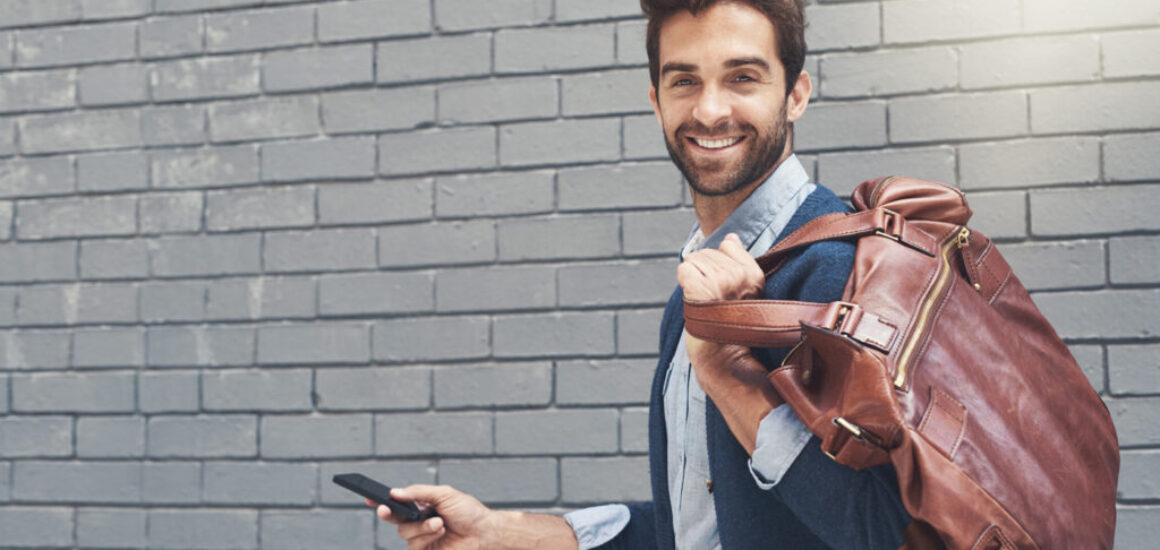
[712, 106]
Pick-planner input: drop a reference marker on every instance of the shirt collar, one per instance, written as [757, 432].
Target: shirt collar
[754, 215]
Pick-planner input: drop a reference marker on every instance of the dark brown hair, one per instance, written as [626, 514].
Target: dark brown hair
[786, 16]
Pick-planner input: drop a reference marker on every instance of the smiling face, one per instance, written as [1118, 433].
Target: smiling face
[721, 97]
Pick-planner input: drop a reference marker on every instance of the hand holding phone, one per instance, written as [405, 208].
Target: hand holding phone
[381, 494]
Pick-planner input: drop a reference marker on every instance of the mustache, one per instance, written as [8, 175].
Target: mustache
[723, 128]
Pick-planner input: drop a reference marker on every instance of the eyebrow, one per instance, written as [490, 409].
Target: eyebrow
[732, 64]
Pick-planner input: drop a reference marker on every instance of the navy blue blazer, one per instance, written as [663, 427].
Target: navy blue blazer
[818, 503]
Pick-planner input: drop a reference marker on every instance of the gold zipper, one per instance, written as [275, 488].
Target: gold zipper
[944, 276]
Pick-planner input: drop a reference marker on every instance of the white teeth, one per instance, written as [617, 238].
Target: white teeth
[716, 143]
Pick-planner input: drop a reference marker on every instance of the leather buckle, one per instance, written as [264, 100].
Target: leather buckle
[855, 432]
[891, 225]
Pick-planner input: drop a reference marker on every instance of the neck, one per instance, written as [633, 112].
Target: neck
[713, 210]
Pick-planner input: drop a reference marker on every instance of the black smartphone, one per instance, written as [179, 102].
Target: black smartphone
[381, 494]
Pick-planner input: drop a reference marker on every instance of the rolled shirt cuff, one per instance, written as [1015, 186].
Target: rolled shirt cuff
[780, 439]
[597, 525]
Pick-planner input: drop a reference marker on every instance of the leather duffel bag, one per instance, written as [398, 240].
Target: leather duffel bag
[937, 361]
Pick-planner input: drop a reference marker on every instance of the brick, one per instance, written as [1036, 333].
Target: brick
[1134, 259]
[218, 436]
[7, 137]
[161, 392]
[109, 347]
[634, 431]
[1130, 157]
[554, 334]
[958, 117]
[613, 382]
[294, 530]
[80, 131]
[636, 331]
[401, 472]
[36, 176]
[317, 343]
[204, 167]
[207, 529]
[110, 436]
[493, 385]
[1027, 163]
[257, 390]
[103, 482]
[1030, 61]
[363, 293]
[499, 100]
[34, 12]
[587, 431]
[460, 15]
[77, 217]
[4, 410]
[409, 434]
[535, 143]
[554, 48]
[594, 93]
[112, 171]
[330, 159]
[495, 288]
[1134, 369]
[239, 483]
[38, 261]
[596, 480]
[1000, 215]
[171, 482]
[173, 301]
[201, 346]
[329, 249]
[1133, 419]
[1137, 480]
[1108, 106]
[235, 299]
[1127, 54]
[1101, 314]
[643, 138]
[113, 9]
[75, 45]
[29, 526]
[167, 6]
[841, 126]
[437, 243]
[279, 297]
[922, 20]
[497, 481]
[432, 338]
[69, 304]
[630, 38]
[843, 26]
[378, 109]
[889, 72]
[45, 349]
[384, 201]
[114, 84]
[206, 77]
[1054, 265]
[1091, 361]
[494, 194]
[205, 255]
[8, 306]
[440, 150]
[373, 19]
[1093, 210]
[620, 186]
[309, 69]
[40, 90]
[842, 172]
[91, 392]
[360, 388]
[266, 118]
[625, 282]
[575, 10]
[433, 58]
[111, 528]
[316, 436]
[260, 208]
[591, 236]
[170, 212]
[260, 29]
[171, 36]
[36, 436]
[1044, 15]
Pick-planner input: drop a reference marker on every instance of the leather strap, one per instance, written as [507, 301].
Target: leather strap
[777, 323]
[840, 226]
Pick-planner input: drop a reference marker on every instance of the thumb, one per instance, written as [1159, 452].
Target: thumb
[731, 246]
[433, 494]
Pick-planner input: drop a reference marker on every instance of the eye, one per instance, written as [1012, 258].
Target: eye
[744, 78]
[682, 82]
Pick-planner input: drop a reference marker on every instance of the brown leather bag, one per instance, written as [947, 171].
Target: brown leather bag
[937, 361]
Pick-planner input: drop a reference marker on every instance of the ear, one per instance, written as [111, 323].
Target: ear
[799, 97]
[652, 98]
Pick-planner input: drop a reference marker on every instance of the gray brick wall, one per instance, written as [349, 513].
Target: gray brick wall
[248, 244]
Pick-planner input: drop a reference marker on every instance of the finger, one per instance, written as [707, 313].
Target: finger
[426, 542]
[427, 527]
[384, 514]
[733, 248]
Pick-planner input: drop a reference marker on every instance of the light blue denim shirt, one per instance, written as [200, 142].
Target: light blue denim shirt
[780, 436]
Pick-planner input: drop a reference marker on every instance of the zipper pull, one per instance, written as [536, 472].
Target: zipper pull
[964, 238]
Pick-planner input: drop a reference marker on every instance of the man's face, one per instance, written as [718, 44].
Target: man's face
[721, 97]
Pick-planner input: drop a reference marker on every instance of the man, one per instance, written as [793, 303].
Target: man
[731, 465]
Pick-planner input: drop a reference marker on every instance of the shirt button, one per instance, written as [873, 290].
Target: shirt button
[709, 485]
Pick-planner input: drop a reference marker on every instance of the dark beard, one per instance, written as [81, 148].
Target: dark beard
[758, 161]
